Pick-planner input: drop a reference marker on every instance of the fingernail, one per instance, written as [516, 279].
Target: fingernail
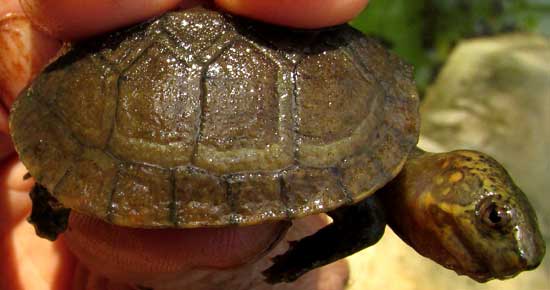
[16, 181]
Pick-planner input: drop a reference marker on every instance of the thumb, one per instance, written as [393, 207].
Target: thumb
[72, 19]
[296, 13]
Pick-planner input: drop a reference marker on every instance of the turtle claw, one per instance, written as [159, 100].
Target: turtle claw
[285, 268]
[48, 216]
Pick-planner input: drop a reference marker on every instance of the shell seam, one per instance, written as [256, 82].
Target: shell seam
[110, 207]
[173, 203]
[202, 97]
[117, 98]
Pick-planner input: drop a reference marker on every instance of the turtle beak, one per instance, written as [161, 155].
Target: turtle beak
[531, 247]
[527, 255]
[528, 258]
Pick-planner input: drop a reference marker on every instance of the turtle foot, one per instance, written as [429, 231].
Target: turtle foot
[354, 228]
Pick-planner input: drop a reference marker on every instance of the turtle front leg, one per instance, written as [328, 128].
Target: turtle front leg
[354, 228]
[48, 216]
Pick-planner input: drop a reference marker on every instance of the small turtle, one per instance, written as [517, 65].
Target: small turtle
[201, 119]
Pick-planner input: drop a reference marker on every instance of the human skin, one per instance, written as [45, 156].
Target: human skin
[110, 257]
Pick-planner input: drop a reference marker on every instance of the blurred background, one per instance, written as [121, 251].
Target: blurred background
[483, 72]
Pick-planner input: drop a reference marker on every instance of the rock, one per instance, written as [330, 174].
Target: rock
[493, 95]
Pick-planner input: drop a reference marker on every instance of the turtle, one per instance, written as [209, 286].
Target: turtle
[202, 119]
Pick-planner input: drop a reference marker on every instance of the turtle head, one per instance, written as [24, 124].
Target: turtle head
[498, 219]
[465, 212]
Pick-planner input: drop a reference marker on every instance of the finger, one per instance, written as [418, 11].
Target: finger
[140, 256]
[14, 200]
[86, 280]
[6, 146]
[23, 52]
[41, 264]
[28, 262]
[296, 13]
[9, 6]
[15, 179]
[72, 19]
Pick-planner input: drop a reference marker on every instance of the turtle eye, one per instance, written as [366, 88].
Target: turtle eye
[496, 216]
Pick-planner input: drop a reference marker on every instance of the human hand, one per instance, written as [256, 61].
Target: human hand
[110, 257]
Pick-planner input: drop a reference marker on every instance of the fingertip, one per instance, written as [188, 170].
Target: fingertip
[74, 19]
[15, 179]
[15, 203]
[306, 14]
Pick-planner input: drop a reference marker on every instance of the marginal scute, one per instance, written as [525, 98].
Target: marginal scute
[256, 197]
[143, 197]
[89, 183]
[393, 144]
[312, 190]
[364, 173]
[201, 198]
[157, 110]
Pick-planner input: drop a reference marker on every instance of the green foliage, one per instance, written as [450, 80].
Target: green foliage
[425, 31]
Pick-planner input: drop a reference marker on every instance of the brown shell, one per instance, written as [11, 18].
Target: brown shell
[201, 119]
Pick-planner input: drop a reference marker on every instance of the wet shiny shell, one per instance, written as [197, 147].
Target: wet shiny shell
[200, 119]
